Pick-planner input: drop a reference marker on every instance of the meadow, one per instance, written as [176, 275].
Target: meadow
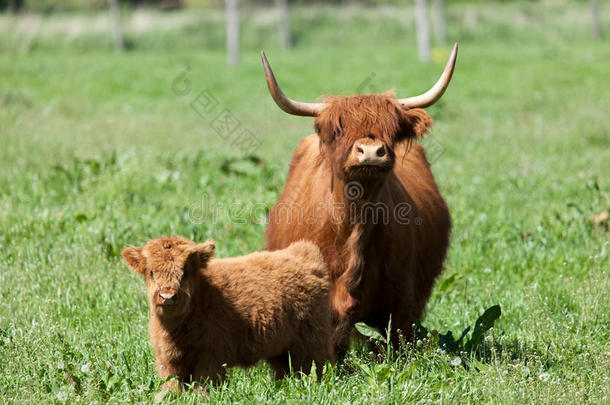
[100, 150]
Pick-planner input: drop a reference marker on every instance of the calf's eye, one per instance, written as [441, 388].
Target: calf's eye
[151, 273]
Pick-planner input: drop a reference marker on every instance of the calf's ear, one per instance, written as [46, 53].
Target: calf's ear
[414, 124]
[203, 251]
[134, 259]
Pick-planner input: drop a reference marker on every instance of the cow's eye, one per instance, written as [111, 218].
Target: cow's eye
[371, 136]
[151, 273]
[338, 133]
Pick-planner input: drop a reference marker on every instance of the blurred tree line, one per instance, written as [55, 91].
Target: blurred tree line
[87, 5]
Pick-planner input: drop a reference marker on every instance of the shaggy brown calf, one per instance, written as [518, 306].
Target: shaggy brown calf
[362, 190]
[208, 312]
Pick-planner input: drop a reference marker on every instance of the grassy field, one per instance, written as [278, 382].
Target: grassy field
[100, 150]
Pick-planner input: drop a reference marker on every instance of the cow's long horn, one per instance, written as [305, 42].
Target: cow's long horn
[435, 93]
[286, 104]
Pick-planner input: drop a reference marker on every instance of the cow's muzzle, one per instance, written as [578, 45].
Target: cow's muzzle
[368, 152]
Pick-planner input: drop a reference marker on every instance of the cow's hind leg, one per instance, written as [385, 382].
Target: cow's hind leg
[402, 329]
[280, 366]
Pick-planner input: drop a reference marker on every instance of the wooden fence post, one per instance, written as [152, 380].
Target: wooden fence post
[595, 26]
[440, 22]
[422, 28]
[232, 32]
[117, 28]
[284, 24]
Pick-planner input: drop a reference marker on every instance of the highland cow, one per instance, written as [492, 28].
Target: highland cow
[207, 313]
[362, 190]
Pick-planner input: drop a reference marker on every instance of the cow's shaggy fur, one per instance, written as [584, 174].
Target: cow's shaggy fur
[206, 313]
[383, 230]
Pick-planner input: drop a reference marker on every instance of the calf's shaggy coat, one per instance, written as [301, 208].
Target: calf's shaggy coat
[205, 313]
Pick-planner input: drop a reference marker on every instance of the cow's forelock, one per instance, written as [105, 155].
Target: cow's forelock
[347, 120]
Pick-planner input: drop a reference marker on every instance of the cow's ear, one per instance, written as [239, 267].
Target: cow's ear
[322, 127]
[318, 125]
[134, 259]
[203, 252]
[414, 124]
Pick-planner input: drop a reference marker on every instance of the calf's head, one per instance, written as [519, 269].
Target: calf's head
[170, 266]
[358, 133]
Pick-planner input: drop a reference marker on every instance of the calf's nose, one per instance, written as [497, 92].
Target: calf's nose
[168, 295]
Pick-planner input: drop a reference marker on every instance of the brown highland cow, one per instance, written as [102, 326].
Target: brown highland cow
[206, 313]
[362, 190]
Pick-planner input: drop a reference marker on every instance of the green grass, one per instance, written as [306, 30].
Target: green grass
[98, 152]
